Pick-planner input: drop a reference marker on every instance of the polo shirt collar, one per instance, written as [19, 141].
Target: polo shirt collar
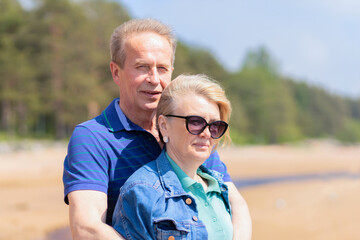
[213, 185]
[187, 181]
[115, 120]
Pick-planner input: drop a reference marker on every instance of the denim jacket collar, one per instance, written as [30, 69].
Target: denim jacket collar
[171, 183]
[169, 180]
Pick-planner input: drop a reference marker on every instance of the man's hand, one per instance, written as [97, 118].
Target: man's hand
[240, 214]
[87, 211]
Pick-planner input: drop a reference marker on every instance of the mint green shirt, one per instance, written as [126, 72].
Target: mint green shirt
[209, 204]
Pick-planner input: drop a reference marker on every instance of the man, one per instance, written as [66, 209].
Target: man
[105, 151]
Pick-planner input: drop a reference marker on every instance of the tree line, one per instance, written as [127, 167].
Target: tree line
[54, 74]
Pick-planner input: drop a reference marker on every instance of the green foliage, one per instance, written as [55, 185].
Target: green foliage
[354, 108]
[54, 74]
[320, 114]
[53, 59]
[260, 59]
[268, 103]
[197, 61]
[350, 133]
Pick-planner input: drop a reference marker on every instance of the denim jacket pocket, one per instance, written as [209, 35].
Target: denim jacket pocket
[167, 228]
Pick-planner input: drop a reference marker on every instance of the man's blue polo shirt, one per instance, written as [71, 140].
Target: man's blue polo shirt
[105, 151]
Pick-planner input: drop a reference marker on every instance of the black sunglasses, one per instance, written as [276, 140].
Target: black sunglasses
[196, 125]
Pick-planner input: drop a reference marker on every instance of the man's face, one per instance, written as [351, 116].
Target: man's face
[147, 71]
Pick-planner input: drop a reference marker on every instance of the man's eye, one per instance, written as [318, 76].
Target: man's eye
[162, 69]
[142, 67]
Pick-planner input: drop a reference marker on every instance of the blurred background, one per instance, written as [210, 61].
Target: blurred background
[290, 70]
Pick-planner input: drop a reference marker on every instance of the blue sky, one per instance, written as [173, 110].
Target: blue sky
[317, 41]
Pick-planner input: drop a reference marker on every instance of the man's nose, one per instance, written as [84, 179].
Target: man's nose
[154, 76]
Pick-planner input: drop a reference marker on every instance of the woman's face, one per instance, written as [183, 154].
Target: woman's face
[183, 146]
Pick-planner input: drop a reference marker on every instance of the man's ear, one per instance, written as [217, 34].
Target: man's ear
[115, 71]
[163, 125]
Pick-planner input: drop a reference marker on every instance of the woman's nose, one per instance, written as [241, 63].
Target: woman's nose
[206, 133]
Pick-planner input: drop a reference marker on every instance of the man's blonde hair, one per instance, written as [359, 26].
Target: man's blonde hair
[136, 26]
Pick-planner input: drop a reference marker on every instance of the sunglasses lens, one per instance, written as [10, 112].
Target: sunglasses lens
[196, 124]
[217, 129]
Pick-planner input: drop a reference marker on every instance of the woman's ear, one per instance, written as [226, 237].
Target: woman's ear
[163, 125]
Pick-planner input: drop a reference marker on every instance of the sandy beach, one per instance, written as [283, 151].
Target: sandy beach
[32, 207]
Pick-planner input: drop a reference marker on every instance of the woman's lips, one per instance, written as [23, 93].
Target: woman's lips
[202, 145]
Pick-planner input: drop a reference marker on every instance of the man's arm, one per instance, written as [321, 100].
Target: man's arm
[240, 213]
[241, 219]
[87, 212]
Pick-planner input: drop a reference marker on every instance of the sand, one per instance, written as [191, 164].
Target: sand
[32, 207]
[319, 209]
[31, 203]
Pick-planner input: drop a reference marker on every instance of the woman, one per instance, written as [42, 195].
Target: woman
[175, 197]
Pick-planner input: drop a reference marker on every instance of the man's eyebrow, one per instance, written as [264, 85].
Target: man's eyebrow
[140, 63]
[164, 64]
[159, 64]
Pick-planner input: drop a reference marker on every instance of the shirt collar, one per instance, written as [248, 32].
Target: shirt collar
[186, 181]
[115, 119]
[213, 185]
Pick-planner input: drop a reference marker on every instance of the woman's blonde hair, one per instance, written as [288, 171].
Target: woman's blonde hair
[200, 84]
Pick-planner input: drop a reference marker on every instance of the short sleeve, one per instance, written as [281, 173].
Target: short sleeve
[214, 163]
[86, 164]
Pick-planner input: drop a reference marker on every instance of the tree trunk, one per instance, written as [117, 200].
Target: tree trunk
[57, 81]
[7, 118]
[22, 119]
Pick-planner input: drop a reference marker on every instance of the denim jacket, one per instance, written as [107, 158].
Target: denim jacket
[153, 205]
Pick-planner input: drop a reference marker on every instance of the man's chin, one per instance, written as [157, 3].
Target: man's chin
[151, 106]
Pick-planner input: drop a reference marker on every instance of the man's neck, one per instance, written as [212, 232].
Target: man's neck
[145, 119]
